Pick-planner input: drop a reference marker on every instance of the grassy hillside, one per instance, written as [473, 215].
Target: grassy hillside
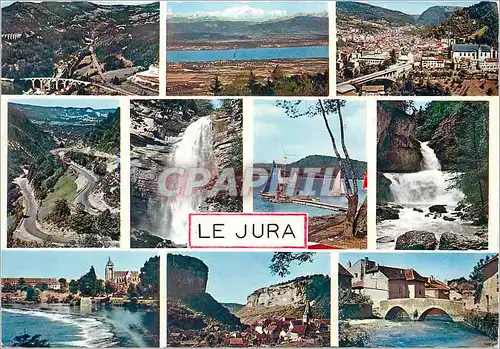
[373, 13]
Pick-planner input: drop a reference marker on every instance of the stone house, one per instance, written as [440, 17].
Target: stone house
[345, 279]
[489, 295]
[436, 289]
[383, 283]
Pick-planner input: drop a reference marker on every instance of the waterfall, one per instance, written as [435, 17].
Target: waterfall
[429, 186]
[194, 150]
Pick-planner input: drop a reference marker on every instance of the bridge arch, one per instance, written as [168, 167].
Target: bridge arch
[397, 312]
[420, 308]
[427, 312]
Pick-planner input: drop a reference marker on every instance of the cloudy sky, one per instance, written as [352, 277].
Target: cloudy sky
[276, 134]
[247, 10]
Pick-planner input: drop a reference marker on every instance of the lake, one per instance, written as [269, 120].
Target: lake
[246, 54]
[263, 205]
[65, 326]
[429, 333]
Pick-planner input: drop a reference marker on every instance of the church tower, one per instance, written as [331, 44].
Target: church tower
[109, 272]
[307, 313]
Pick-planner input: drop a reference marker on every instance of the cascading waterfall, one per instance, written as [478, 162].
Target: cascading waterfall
[194, 150]
[429, 186]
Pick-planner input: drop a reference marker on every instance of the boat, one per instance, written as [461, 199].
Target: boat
[338, 186]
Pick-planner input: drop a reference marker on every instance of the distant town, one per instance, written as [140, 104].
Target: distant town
[404, 57]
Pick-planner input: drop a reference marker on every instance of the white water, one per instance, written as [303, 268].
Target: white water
[419, 190]
[429, 186]
[194, 150]
[92, 331]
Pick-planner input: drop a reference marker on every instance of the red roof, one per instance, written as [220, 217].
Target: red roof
[491, 59]
[436, 285]
[300, 329]
[236, 341]
[358, 284]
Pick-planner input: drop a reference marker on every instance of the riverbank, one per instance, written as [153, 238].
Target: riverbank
[173, 45]
[486, 323]
[195, 78]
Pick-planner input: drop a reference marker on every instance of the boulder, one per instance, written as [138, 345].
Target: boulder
[449, 219]
[385, 239]
[399, 207]
[454, 241]
[416, 240]
[386, 212]
[383, 188]
[418, 210]
[438, 209]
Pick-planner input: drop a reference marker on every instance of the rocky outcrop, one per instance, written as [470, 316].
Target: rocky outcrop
[397, 151]
[383, 188]
[186, 276]
[438, 209]
[186, 288]
[444, 141]
[386, 212]
[416, 240]
[289, 298]
[453, 241]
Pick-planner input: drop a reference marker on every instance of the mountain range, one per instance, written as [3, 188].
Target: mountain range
[477, 23]
[189, 29]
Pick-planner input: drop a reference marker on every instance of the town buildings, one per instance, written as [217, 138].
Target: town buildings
[12, 283]
[383, 282]
[489, 294]
[120, 278]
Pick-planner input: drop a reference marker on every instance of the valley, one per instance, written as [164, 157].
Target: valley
[80, 48]
[292, 313]
[64, 189]
[444, 51]
[210, 54]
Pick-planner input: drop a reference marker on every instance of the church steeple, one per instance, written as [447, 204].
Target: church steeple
[109, 272]
[307, 313]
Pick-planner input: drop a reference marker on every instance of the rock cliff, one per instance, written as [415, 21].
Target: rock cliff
[186, 291]
[397, 149]
[289, 298]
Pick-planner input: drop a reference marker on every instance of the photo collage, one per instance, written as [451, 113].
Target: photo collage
[260, 173]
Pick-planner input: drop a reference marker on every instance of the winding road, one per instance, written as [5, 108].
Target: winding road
[29, 228]
[82, 197]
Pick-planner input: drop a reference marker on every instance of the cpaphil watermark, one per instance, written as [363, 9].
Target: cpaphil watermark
[285, 181]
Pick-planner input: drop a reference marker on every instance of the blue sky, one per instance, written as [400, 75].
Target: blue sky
[275, 133]
[75, 103]
[417, 7]
[232, 276]
[443, 266]
[67, 264]
[247, 10]
[126, 2]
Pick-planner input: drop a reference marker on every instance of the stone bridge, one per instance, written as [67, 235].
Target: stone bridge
[12, 36]
[390, 73]
[418, 308]
[56, 83]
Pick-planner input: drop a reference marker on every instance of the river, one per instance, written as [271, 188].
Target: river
[417, 191]
[65, 326]
[429, 333]
[246, 54]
